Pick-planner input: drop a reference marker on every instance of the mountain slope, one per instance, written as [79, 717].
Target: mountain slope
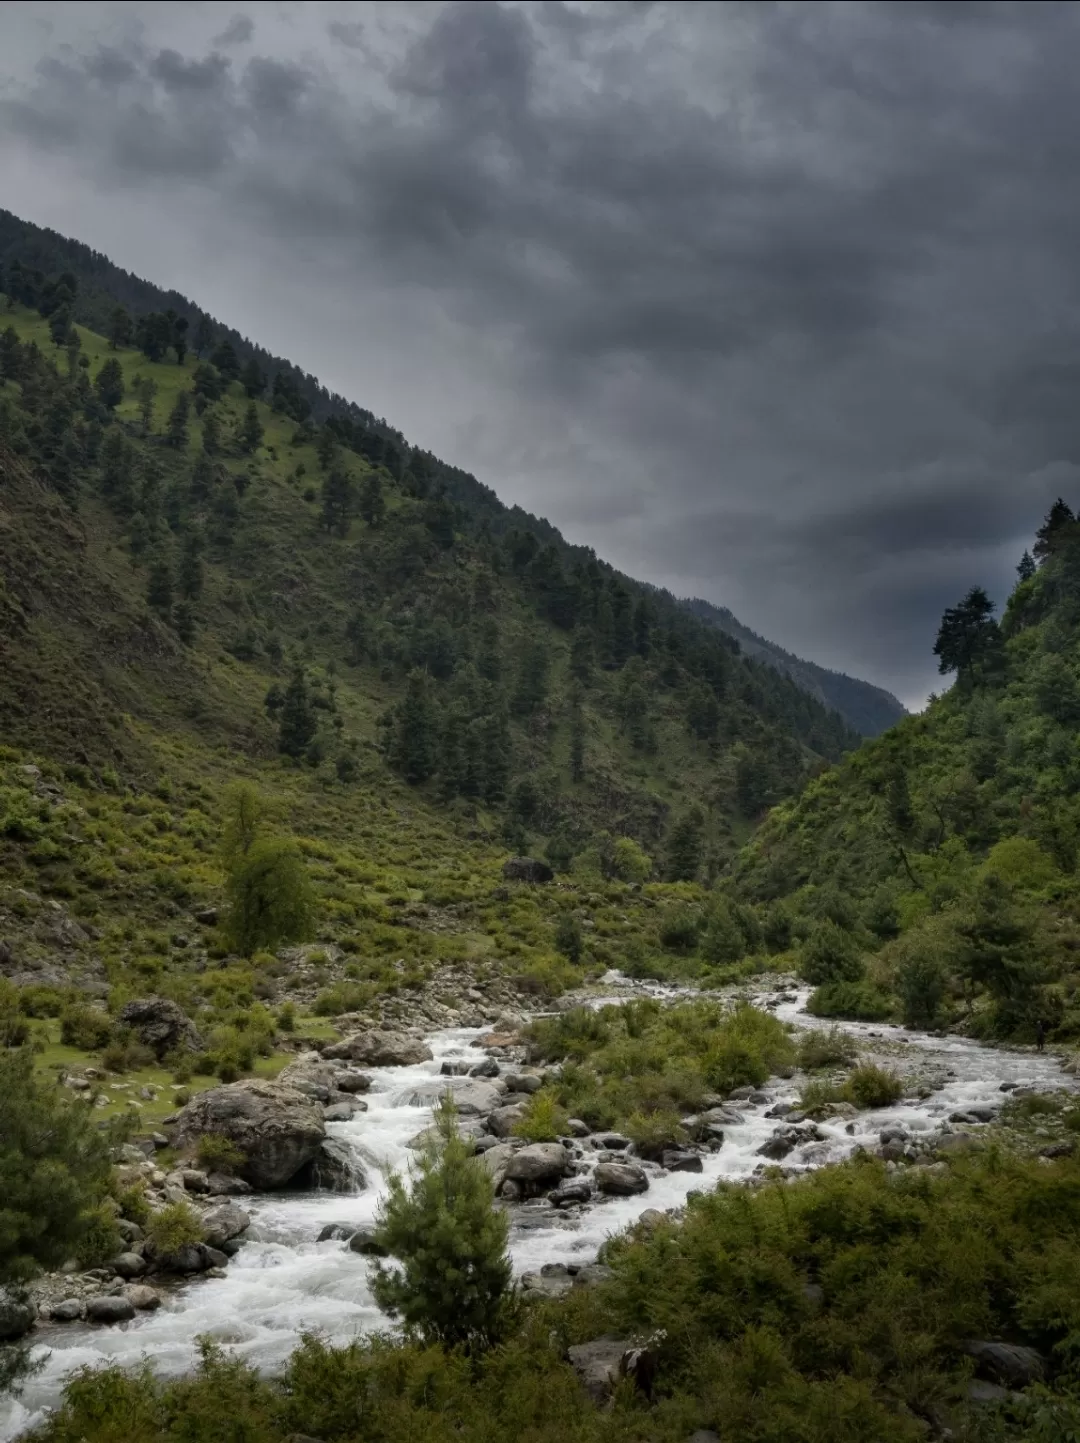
[945, 852]
[868, 709]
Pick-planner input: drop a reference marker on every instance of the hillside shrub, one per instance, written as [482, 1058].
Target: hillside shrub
[830, 954]
[678, 927]
[543, 1120]
[86, 1028]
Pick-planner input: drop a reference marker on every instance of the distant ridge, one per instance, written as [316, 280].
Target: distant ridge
[870, 710]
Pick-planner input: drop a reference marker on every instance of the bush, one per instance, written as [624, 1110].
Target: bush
[860, 1001]
[629, 862]
[569, 938]
[86, 1028]
[543, 1120]
[830, 954]
[173, 1227]
[450, 1241]
[819, 1049]
[678, 928]
[126, 1055]
[920, 985]
[869, 1087]
[723, 939]
[217, 1153]
[271, 900]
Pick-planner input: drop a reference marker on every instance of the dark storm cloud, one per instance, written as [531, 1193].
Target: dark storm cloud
[777, 304]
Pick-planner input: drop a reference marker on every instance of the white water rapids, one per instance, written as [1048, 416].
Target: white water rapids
[283, 1283]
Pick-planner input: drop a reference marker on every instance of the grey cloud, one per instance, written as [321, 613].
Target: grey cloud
[780, 299]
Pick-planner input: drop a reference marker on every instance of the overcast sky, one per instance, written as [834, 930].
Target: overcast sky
[777, 305]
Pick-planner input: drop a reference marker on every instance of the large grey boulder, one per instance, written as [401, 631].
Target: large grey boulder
[504, 1119]
[495, 1160]
[620, 1179]
[527, 869]
[473, 1096]
[224, 1222]
[278, 1129]
[16, 1315]
[161, 1025]
[110, 1310]
[1010, 1364]
[540, 1162]
[334, 1168]
[379, 1048]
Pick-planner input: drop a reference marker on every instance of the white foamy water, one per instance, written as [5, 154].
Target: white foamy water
[283, 1283]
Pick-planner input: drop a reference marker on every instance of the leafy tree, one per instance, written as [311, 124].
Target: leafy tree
[253, 380]
[337, 500]
[271, 900]
[722, 940]
[121, 328]
[685, 847]
[629, 862]
[60, 326]
[177, 430]
[154, 335]
[997, 951]
[450, 1242]
[244, 822]
[372, 501]
[968, 633]
[296, 719]
[109, 384]
[251, 431]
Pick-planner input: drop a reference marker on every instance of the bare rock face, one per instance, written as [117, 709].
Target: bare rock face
[161, 1025]
[380, 1049]
[277, 1128]
[527, 869]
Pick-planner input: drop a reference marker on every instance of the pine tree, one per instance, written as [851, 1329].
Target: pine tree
[121, 328]
[251, 432]
[211, 433]
[1058, 521]
[530, 692]
[204, 336]
[253, 380]
[224, 359]
[326, 448]
[145, 388]
[414, 750]
[191, 568]
[968, 635]
[159, 587]
[450, 1241]
[109, 384]
[372, 501]
[296, 720]
[1026, 569]
[184, 622]
[177, 429]
[577, 736]
[337, 500]
[685, 847]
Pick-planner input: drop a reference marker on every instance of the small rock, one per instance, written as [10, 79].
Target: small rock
[523, 1082]
[703, 1435]
[592, 1274]
[611, 1141]
[336, 1232]
[110, 1310]
[340, 1112]
[620, 1179]
[194, 1179]
[380, 1048]
[527, 869]
[1065, 1148]
[363, 1242]
[984, 1395]
[573, 1190]
[576, 1128]
[221, 1184]
[207, 916]
[352, 1082]
[503, 1120]
[488, 1067]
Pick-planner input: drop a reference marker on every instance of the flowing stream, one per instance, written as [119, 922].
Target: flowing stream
[283, 1282]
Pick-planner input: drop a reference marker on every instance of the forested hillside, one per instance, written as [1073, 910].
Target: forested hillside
[935, 870]
[869, 709]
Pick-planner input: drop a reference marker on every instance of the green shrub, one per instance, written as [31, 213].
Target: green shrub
[860, 1001]
[569, 938]
[86, 1028]
[723, 939]
[868, 1086]
[217, 1153]
[629, 862]
[450, 1242]
[271, 899]
[819, 1049]
[100, 1239]
[173, 1227]
[126, 1055]
[543, 1119]
[830, 954]
[678, 927]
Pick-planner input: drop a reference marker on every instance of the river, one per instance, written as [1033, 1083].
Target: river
[283, 1282]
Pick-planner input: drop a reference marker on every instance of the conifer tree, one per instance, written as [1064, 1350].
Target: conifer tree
[251, 432]
[159, 587]
[337, 500]
[1026, 569]
[296, 719]
[121, 328]
[685, 847]
[109, 384]
[414, 750]
[253, 380]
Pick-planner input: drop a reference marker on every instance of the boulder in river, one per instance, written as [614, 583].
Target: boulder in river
[380, 1048]
[110, 1309]
[16, 1315]
[160, 1024]
[224, 1222]
[620, 1179]
[68, 1310]
[334, 1168]
[540, 1162]
[504, 1119]
[278, 1129]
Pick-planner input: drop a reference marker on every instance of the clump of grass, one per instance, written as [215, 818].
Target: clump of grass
[543, 1120]
[173, 1227]
[819, 1049]
[217, 1153]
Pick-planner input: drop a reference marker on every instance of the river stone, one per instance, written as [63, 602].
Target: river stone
[16, 1315]
[611, 1141]
[621, 1179]
[142, 1297]
[221, 1184]
[277, 1128]
[504, 1119]
[592, 1275]
[495, 1161]
[70, 1310]
[341, 1112]
[334, 1168]
[110, 1310]
[539, 1162]
[336, 1232]
[552, 1281]
[224, 1222]
[473, 1097]
[161, 1025]
[488, 1067]
[681, 1161]
[352, 1082]
[1010, 1364]
[363, 1242]
[188, 1259]
[379, 1048]
[128, 1265]
[523, 1082]
[573, 1190]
